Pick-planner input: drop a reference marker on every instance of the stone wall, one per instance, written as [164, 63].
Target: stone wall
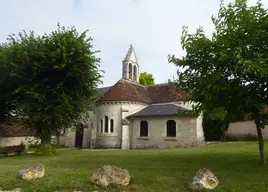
[69, 137]
[186, 133]
[246, 127]
[199, 128]
[10, 141]
[116, 111]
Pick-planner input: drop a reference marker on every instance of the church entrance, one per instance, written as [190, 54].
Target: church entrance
[79, 136]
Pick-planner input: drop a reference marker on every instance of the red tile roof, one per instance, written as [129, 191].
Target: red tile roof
[13, 131]
[125, 90]
[164, 93]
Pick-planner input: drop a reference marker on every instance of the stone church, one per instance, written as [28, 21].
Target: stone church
[129, 115]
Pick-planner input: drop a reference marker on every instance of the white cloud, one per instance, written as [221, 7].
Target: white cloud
[152, 26]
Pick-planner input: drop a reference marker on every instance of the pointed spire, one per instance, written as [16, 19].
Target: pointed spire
[131, 55]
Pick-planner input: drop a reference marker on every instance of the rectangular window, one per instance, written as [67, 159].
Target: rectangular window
[171, 128]
[112, 126]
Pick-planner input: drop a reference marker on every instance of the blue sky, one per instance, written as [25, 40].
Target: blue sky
[153, 27]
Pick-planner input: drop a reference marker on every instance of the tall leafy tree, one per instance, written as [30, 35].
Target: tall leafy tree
[228, 72]
[58, 75]
[7, 86]
[146, 79]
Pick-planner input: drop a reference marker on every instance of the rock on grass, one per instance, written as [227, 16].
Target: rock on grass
[203, 179]
[111, 175]
[35, 172]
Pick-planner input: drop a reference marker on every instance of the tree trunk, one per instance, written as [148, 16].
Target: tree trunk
[45, 144]
[45, 139]
[260, 140]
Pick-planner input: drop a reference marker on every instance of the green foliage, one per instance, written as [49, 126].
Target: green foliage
[7, 86]
[3, 149]
[51, 150]
[230, 69]
[146, 79]
[58, 74]
[240, 137]
[214, 128]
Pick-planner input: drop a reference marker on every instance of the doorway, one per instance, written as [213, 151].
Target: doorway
[79, 136]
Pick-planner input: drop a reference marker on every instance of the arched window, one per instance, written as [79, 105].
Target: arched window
[101, 125]
[171, 128]
[106, 121]
[144, 129]
[135, 73]
[111, 125]
[130, 71]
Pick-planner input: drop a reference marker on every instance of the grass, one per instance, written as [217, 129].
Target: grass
[158, 170]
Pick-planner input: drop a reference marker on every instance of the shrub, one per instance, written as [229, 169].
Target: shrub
[51, 150]
[3, 149]
[214, 129]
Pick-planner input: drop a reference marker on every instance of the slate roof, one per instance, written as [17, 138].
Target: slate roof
[104, 89]
[125, 90]
[158, 110]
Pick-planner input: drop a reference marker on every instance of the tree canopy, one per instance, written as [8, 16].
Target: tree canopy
[7, 85]
[146, 79]
[58, 74]
[227, 73]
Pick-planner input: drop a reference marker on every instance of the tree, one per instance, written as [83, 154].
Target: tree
[7, 86]
[58, 75]
[228, 72]
[146, 79]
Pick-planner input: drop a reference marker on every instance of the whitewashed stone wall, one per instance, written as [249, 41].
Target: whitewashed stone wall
[89, 133]
[199, 128]
[122, 138]
[27, 141]
[186, 134]
[69, 137]
[116, 111]
[246, 127]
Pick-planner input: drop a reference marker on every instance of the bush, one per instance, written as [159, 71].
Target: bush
[240, 137]
[214, 129]
[51, 150]
[3, 149]
[33, 146]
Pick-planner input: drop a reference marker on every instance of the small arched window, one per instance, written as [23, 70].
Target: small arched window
[171, 128]
[144, 129]
[111, 125]
[135, 73]
[101, 125]
[106, 121]
[130, 71]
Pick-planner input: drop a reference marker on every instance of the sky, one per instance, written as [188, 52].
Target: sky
[153, 27]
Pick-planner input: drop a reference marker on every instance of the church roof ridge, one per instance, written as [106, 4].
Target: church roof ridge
[126, 90]
[129, 81]
[158, 84]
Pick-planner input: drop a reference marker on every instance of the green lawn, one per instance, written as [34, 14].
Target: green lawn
[236, 165]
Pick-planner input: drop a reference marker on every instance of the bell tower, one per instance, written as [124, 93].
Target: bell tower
[130, 66]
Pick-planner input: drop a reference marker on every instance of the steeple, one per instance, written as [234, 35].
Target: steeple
[131, 66]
